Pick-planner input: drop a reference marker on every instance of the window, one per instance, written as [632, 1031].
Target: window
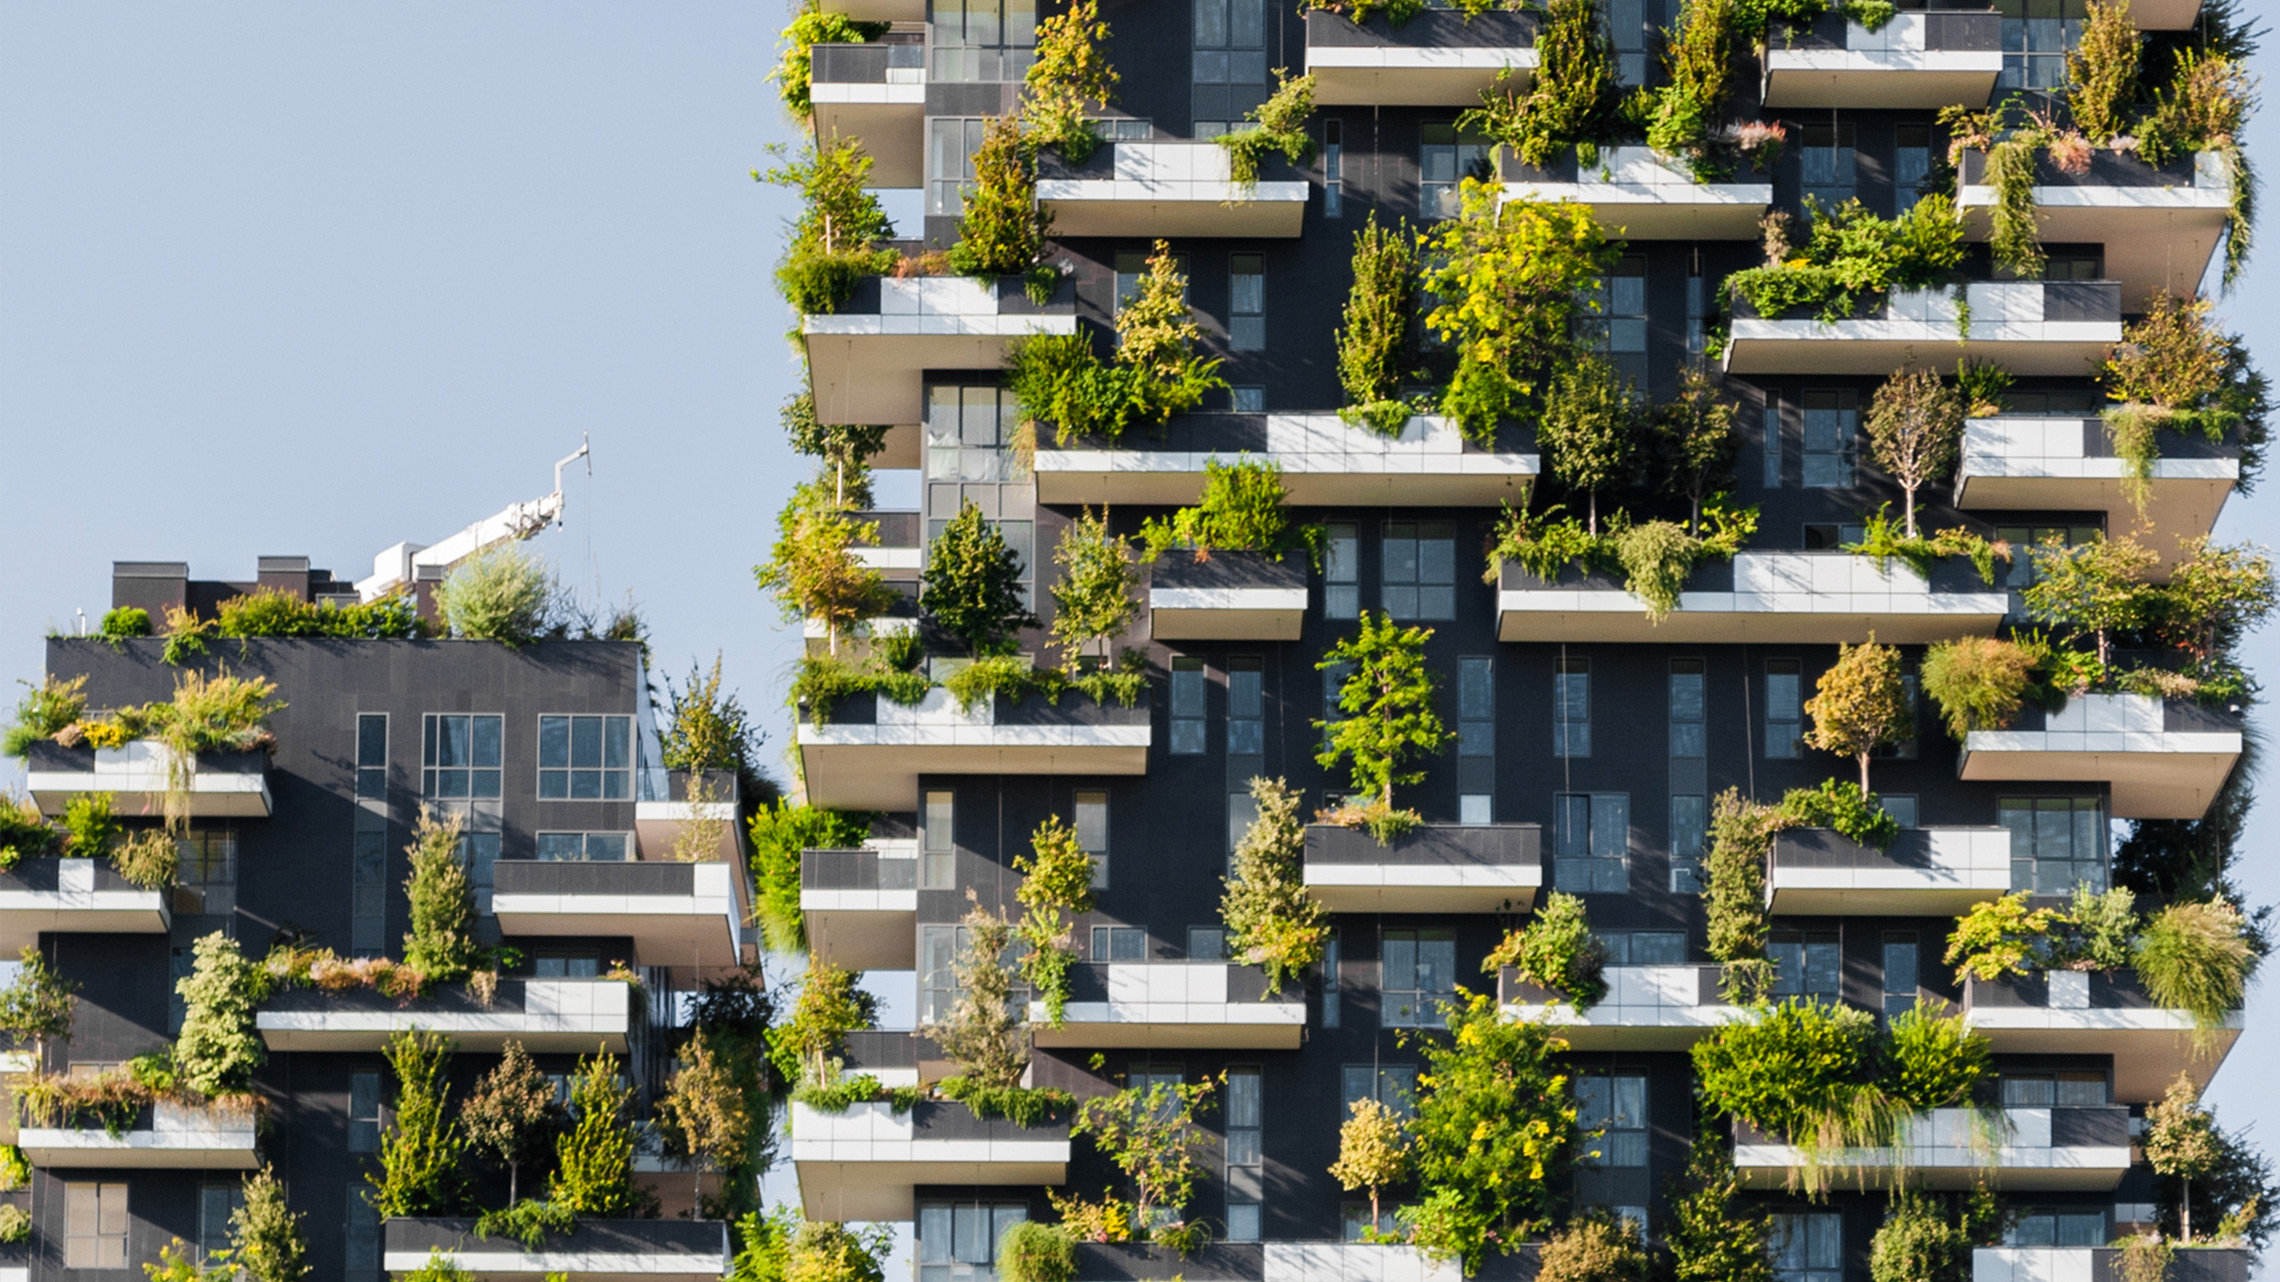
[1333, 989]
[1832, 536]
[1119, 944]
[982, 39]
[95, 1226]
[1911, 166]
[1445, 158]
[1808, 1246]
[1784, 709]
[1769, 441]
[1628, 23]
[1686, 730]
[2079, 1089]
[1806, 963]
[1341, 572]
[1131, 265]
[1832, 425]
[1697, 305]
[558, 965]
[937, 982]
[1644, 947]
[967, 432]
[1901, 806]
[2048, 1227]
[1242, 812]
[1242, 1221]
[940, 866]
[950, 148]
[1355, 1220]
[362, 1257]
[1900, 959]
[583, 847]
[1476, 736]
[1247, 398]
[1420, 972]
[1828, 168]
[1419, 564]
[1246, 711]
[1229, 75]
[2057, 843]
[1393, 1085]
[479, 853]
[1244, 1102]
[1571, 706]
[585, 758]
[1613, 1107]
[958, 1241]
[1689, 746]
[205, 879]
[1122, 128]
[368, 880]
[1617, 320]
[215, 1203]
[372, 755]
[1092, 833]
[2036, 36]
[459, 756]
[1333, 168]
[1689, 835]
[1187, 705]
[1206, 944]
[1246, 302]
[1592, 842]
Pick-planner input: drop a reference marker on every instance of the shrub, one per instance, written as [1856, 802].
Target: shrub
[441, 943]
[1733, 892]
[2095, 587]
[43, 712]
[1857, 815]
[1917, 1243]
[2102, 72]
[1156, 336]
[220, 713]
[2000, 937]
[1069, 73]
[1056, 885]
[813, 569]
[39, 1004]
[812, 26]
[1859, 704]
[1590, 430]
[1712, 1236]
[1596, 1247]
[1033, 1251]
[24, 831]
[707, 728]
[593, 1160]
[501, 594]
[835, 240]
[420, 1150]
[1853, 254]
[148, 859]
[1556, 950]
[1694, 436]
[829, 1007]
[1933, 1061]
[218, 1049]
[1796, 1073]
[1281, 122]
[1271, 920]
[2096, 930]
[15, 1224]
[1002, 231]
[1241, 510]
[89, 830]
[124, 622]
[1570, 102]
[973, 583]
[265, 1233]
[1978, 682]
[1373, 338]
[780, 834]
[985, 1030]
[2197, 957]
[1149, 1134]
[2215, 596]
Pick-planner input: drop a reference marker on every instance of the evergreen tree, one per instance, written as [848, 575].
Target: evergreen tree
[265, 1234]
[973, 584]
[1271, 920]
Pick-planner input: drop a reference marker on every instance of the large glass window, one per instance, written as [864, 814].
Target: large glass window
[1445, 158]
[1686, 706]
[1419, 973]
[1246, 706]
[1229, 71]
[939, 948]
[2057, 843]
[2050, 1227]
[363, 1112]
[968, 430]
[950, 148]
[1419, 564]
[1689, 835]
[1900, 972]
[939, 870]
[206, 872]
[585, 758]
[1643, 947]
[1832, 431]
[459, 756]
[1187, 705]
[372, 755]
[1806, 963]
[1592, 842]
[1808, 1246]
[1119, 944]
[95, 1226]
[1476, 734]
[1911, 166]
[1333, 168]
[1245, 1105]
[1784, 709]
[1341, 572]
[2036, 36]
[1617, 316]
[958, 1241]
[584, 847]
[982, 39]
[1571, 706]
[2079, 1088]
[1829, 169]
[1246, 302]
[216, 1202]
[1612, 1109]
[1092, 833]
[1393, 1085]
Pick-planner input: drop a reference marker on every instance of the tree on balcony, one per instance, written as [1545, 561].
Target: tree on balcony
[511, 1117]
[2181, 1142]
[982, 1030]
[1094, 598]
[812, 26]
[1590, 431]
[1271, 921]
[813, 569]
[1712, 1235]
[844, 449]
[1056, 884]
[593, 1160]
[835, 240]
[38, 1005]
[1572, 101]
[1002, 230]
[829, 1007]
[1694, 437]
[1915, 431]
[218, 1049]
[265, 1233]
[1860, 704]
[707, 1113]
[421, 1149]
[973, 584]
[1374, 353]
[1071, 76]
[2096, 587]
[1390, 723]
[1149, 1134]
[1373, 1151]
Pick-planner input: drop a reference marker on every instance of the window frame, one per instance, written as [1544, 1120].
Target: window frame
[604, 773]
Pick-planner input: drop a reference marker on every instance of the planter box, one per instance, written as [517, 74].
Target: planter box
[870, 753]
[2038, 1149]
[867, 359]
[1169, 189]
[1641, 195]
[861, 906]
[2068, 464]
[2029, 327]
[222, 785]
[167, 1136]
[545, 1015]
[1436, 59]
[1916, 60]
[1928, 872]
[75, 896]
[1246, 596]
[1174, 1004]
[1325, 462]
[2078, 1013]
[2103, 1264]
[596, 1251]
[2163, 758]
[866, 1163]
[1438, 868]
[1649, 1008]
[682, 915]
[874, 93]
[1142, 1262]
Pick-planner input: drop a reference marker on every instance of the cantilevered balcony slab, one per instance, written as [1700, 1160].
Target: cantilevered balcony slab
[676, 914]
[1438, 58]
[2166, 15]
[1325, 462]
[1640, 195]
[677, 816]
[878, 10]
[1171, 189]
[1226, 596]
[866, 359]
[874, 94]
[2159, 223]
[1173, 1004]
[2030, 327]
[545, 1015]
[1437, 868]
[75, 896]
[1791, 597]
[1928, 872]
[2024, 1149]
[1647, 1008]
[2068, 465]
[220, 785]
[2103, 1264]
[2064, 1012]
[866, 1162]
[595, 1251]
[861, 906]
[2164, 758]
[1916, 60]
[869, 754]
[167, 1136]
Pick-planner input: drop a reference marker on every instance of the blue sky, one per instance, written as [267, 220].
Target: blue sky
[284, 279]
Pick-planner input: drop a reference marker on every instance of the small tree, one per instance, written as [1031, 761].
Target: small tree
[512, 1115]
[1373, 1151]
[420, 1152]
[1915, 430]
[2181, 1141]
[704, 1112]
[1860, 704]
[1595, 1247]
[2095, 587]
[502, 594]
[707, 727]
[836, 238]
[2216, 596]
[973, 583]
[1241, 510]
[1271, 921]
[844, 448]
[1069, 77]
[593, 1160]
[218, 1049]
[1712, 1236]
[1093, 600]
[1589, 431]
[1695, 437]
[1373, 340]
[2102, 71]
[829, 1007]
[981, 1030]
[1149, 1134]
[1056, 884]
[441, 944]
[39, 1004]
[1388, 702]
[265, 1233]
[1003, 229]
[813, 570]
[1156, 336]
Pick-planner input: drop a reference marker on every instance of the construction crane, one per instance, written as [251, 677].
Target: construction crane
[397, 568]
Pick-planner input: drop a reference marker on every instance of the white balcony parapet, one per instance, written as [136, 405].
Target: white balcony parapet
[552, 1015]
[2124, 740]
[2045, 464]
[1324, 462]
[1435, 59]
[2044, 1149]
[2030, 327]
[2099, 1264]
[2158, 235]
[2063, 1012]
[1648, 1008]
[676, 914]
[138, 776]
[1354, 1262]
[595, 1251]
[1642, 195]
[1776, 596]
[865, 1162]
[179, 1136]
[876, 766]
[1170, 189]
[861, 906]
[868, 358]
[1927, 872]
[1173, 1004]
[77, 896]
[1914, 60]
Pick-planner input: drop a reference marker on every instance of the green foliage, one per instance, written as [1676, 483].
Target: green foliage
[24, 831]
[2215, 596]
[39, 1004]
[1123, 683]
[1056, 886]
[707, 1112]
[2197, 957]
[1002, 229]
[500, 594]
[43, 712]
[1595, 1247]
[978, 683]
[1590, 430]
[829, 1007]
[421, 1148]
[1241, 510]
[124, 622]
[1033, 1251]
[1373, 1150]
[1934, 1061]
[593, 1160]
[149, 858]
[984, 1030]
[1494, 1134]
[1712, 1235]
[2097, 930]
[845, 449]
[178, 1262]
[1807, 1073]
[813, 569]
[812, 26]
[1556, 950]
[1843, 806]
[1280, 126]
[1733, 892]
[1999, 937]
[2014, 224]
[2102, 72]
[2182, 1141]
[1915, 432]
[511, 1117]
[2207, 102]
[1979, 683]
[2095, 587]
[1884, 540]
[780, 833]
[274, 612]
[88, 827]
[821, 682]
[1859, 705]
[1156, 373]
[1918, 1242]
[1387, 699]
[1271, 921]
[439, 1268]
[1069, 74]
[2173, 370]
[1150, 1136]
[1020, 1105]
[1694, 438]
[218, 1049]
[973, 583]
[1654, 558]
[527, 1221]
[1373, 336]
[835, 240]
[1094, 598]
[1853, 254]
[1697, 62]
[441, 943]
[15, 1225]
[1570, 101]
[707, 728]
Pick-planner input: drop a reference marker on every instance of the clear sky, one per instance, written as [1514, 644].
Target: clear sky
[285, 279]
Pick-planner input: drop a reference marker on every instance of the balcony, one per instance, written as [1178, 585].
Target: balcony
[1170, 189]
[1647, 1008]
[595, 1251]
[871, 751]
[866, 359]
[1324, 462]
[569, 1016]
[865, 1163]
[2030, 327]
[2033, 1149]
[1438, 868]
[664, 812]
[1918, 60]
[676, 914]
[2065, 1012]
[2166, 15]
[2068, 465]
[1231, 596]
[899, 550]
[861, 906]
[166, 1136]
[2163, 758]
[1142, 1262]
[878, 10]
[1773, 596]
[2103, 1264]
[875, 94]
[2159, 223]
[1640, 195]
[221, 785]
[1172, 1005]
[75, 896]
[1928, 872]
[1436, 59]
